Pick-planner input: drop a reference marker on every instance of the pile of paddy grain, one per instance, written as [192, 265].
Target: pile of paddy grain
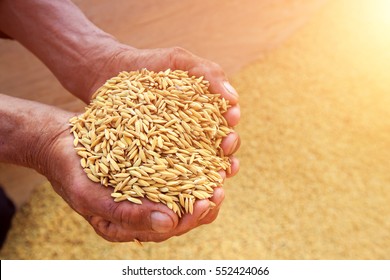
[155, 136]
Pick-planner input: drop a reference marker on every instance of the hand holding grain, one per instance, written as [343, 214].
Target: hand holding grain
[154, 135]
[82, 58]
[38, 136]
[149, 221]
[114, 57]
[118, 57]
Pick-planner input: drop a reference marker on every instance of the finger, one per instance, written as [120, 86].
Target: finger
[191, 221]
[212, 72]
[223, 175]
[218, 81]
[233, 115]
[218, 196]
[203, 214]
[235, 167]
[186, 223]
[212, 213]
[231, 143]
[116, 233]
[95, 200]
[148, 216]
[106, 229]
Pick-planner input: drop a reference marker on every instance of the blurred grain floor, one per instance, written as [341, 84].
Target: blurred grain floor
[315, 157]
[231, 33]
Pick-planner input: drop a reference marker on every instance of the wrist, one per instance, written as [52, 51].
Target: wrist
[28, 130]
[99, 63]
[63, 38]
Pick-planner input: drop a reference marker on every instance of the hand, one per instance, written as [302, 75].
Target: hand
[126, 221]
[116, 57]
[37, 136]
[115, 221]
[123, 221]
[83, 57]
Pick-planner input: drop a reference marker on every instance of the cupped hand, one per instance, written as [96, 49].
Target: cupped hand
[83, 58]
[178, 58]
[150, 221]
[118, 57]
[115, 221]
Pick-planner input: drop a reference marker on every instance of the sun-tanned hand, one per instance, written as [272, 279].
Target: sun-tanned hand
[149, 221]
[83, 57]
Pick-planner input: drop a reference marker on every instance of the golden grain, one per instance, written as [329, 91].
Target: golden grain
[134, 200]
[93, 178]
[154, 135]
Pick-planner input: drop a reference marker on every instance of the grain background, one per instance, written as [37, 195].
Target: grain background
[315, 171]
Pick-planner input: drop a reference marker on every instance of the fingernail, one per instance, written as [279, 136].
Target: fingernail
[230, 89]
[204, 214]
[234, 146]
[161, 222]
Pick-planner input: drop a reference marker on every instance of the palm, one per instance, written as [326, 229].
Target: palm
[114, 221]
[157, 60]
[126, 221]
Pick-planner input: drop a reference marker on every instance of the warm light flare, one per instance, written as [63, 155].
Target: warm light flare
[377, 13]
[366, 35]
[381, 12]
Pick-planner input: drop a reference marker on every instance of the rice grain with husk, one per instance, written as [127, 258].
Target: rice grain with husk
[154, 135]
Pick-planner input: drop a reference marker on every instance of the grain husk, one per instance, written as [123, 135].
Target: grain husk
[154, 135]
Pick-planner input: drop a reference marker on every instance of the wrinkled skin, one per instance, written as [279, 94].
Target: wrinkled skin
[126, 221]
